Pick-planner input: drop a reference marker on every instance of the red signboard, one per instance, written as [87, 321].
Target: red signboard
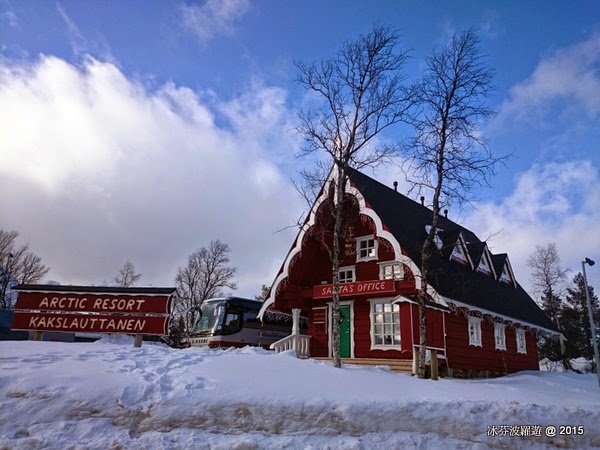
[91, 323]
[100, 303]
[356, 288]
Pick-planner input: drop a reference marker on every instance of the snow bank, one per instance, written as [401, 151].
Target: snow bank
[107, 395]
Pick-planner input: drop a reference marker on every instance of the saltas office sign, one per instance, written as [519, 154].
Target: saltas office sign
[89, 309]
[356, 288]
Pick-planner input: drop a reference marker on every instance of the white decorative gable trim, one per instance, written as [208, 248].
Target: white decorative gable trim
[380, 231]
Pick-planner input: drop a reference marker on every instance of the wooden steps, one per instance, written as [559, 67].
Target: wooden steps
[395, 365]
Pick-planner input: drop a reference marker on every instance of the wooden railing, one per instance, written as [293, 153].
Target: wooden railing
[298, 342]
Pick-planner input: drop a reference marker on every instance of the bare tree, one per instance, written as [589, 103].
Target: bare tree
[448, 155]
[360, 92]
[17, 265]
[548, 277]
[206, 274]
[127, 276]
[264, 292]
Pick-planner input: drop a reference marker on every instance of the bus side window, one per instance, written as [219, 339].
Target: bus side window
[232, 323]
[251, 316]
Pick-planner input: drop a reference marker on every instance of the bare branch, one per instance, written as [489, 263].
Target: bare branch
[127, 275]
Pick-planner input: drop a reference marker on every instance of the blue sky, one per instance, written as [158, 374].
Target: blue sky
[143, 130]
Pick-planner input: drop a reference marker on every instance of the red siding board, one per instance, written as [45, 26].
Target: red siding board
[463, 356]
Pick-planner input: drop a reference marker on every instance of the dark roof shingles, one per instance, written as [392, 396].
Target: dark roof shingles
[406, 220]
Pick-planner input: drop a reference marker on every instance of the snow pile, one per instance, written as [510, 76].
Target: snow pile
[106, 395]
[580, 364]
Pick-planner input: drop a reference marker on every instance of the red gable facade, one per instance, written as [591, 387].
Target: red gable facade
[479, 319]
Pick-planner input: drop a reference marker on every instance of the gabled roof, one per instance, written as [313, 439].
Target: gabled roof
[406, 221]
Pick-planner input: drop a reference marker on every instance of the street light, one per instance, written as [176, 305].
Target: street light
[590, 263]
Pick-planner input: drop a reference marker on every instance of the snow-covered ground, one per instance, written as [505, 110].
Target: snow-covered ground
[110, 395]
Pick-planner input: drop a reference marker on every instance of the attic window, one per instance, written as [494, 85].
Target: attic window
[484, 264]
[458, 253]
[506, 277]
[366, 248]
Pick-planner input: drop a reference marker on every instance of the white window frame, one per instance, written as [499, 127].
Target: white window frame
[361, 239]
[500, 336]
[372, 313]
[521, 341]
[507, 276]
[474, 331]
[347, 269]
[396, 275]
[459, 253]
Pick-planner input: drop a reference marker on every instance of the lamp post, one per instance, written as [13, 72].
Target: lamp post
[590, 263]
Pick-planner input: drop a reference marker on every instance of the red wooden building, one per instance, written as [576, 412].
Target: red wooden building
[479, 320]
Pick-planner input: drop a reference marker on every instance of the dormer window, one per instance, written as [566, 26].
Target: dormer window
[366, 248]
[485, 264]
[506, 276]
[459, 253]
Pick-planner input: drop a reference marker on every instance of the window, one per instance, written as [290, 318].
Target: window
[484, 265]
[506, 275]
[521, 346]
[347, 274]
[366, 248]
[475, 331]
[385, 325]
[459, 254]
[391, 271]
[500, 336]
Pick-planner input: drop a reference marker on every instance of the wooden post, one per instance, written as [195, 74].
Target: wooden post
[434, 365]
[138, 340]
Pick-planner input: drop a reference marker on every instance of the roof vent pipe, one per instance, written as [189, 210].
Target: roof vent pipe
[422, 200]
[396, 186]
[446, 213]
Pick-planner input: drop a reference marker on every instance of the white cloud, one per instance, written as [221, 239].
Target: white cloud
[213, 17]
[568, 78]
[97, 169]
[553, 202]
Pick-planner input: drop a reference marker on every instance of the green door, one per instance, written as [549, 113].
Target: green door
[345, 331]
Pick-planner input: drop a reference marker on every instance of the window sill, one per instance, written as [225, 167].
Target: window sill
[386, 347]
[367, 259]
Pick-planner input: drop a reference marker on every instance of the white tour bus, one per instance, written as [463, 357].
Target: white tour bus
[233, 322]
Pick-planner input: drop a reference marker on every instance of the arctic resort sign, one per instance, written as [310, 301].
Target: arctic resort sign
[89, 309]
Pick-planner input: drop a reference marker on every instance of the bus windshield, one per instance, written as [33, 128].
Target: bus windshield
[209, 318]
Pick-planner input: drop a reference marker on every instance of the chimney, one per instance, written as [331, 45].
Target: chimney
[396, 186]
[446, 213]
[422, 200]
